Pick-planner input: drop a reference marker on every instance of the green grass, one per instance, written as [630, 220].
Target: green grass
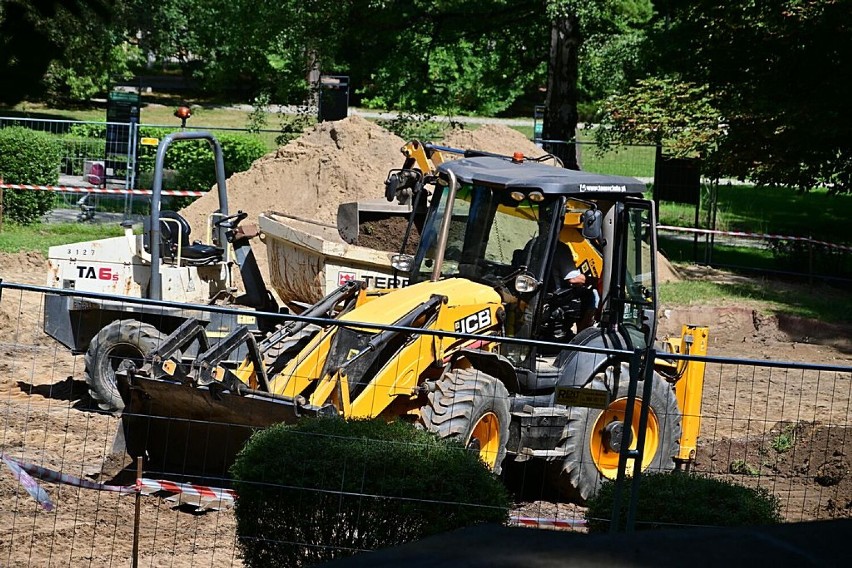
[40, 237]
[684, 250]
[779, 211]
[151, 113]
[820, 302]
[635, 161]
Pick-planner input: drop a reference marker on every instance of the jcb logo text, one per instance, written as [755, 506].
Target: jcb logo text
[474, 322]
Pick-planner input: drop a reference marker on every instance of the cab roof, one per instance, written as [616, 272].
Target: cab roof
[503, 172]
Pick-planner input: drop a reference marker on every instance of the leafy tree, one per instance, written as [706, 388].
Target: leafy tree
[259, 46]
[168, 29]
[667, 112]
[469, 55]
[33, 33]
[572, 22]
[777, 72]
[613, 54]
[95, 54]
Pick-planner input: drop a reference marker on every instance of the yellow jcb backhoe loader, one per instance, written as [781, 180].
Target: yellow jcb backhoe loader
[443, 353]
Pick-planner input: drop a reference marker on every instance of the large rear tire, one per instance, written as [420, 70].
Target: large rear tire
[473, 407]
[592, 436]
[122, 340]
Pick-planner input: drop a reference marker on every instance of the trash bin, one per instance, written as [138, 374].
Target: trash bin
[334, 97]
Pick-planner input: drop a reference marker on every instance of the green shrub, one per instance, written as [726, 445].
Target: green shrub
[88, 130]
[28, 157]
[77, 149]
[412, 126]
[682, 500]
[192, 160]
[327, 488]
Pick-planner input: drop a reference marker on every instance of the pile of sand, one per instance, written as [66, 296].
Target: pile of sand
[493, 138]
[333, 163]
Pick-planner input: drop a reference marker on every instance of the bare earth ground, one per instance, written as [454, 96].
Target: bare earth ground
[47, 418]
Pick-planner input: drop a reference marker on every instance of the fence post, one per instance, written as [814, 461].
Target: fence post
[624, 450]
[648, 377]
[810, 261]
[130, 174]
[1, 204]
[135, 559]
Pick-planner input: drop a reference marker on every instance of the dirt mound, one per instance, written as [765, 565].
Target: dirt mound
[20, 310]
[28, 264]
[493, 138]
[666, 271]
[806, 464]
[333, 163]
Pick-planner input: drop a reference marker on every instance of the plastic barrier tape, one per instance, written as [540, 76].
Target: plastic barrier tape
[74, 189]
[202, 496]
[750, 235]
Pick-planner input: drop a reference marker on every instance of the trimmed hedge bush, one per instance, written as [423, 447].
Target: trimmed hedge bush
[327, 488]
[681, 500]
[28, 157]
[193, 160]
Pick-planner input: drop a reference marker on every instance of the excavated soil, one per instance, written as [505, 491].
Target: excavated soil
[46, 416]
[334, 163]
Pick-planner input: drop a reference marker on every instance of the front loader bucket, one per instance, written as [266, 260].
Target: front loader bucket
[351, 215]
[183, 429]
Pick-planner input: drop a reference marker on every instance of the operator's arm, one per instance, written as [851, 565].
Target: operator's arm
[566, 268]
[575, 277]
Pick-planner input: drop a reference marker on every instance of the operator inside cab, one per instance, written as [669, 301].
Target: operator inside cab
[584, 297]
[571, 298]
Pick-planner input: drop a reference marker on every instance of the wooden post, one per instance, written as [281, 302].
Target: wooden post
[135, 562]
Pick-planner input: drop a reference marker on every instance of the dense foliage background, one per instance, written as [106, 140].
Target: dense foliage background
[765, 79]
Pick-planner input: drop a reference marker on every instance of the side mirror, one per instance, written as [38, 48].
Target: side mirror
[592, 220]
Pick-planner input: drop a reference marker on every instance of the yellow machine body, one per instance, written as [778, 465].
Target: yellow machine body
[689, 385]
[311, 375]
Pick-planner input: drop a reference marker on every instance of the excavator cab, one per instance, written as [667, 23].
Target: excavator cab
[505, 224]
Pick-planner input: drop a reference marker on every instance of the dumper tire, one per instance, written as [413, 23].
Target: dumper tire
[473, 407]
[589, 458]
[120, 341]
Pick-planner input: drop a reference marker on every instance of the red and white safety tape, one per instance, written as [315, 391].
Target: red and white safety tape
[544, 523]
[201, 496]
[750, 235]
[74, 189]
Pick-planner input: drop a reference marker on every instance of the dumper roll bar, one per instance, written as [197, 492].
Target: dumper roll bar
[156, 292]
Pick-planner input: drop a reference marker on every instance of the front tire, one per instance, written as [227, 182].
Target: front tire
[472, 407]
[592, 436]
[121, 340]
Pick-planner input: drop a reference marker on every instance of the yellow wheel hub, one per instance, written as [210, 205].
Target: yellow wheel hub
[610, 431]
[485, 439]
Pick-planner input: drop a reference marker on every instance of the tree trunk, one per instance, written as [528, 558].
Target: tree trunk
[313, 78]
[560, 114]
